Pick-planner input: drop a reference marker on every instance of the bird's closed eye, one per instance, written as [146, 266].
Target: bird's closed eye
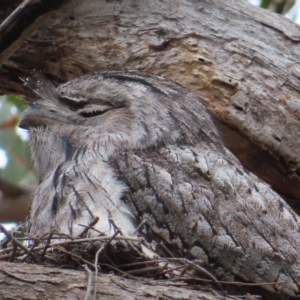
[93, 110]
[83, 108]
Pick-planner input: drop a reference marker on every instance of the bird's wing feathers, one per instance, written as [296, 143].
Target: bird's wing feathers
[205, 206]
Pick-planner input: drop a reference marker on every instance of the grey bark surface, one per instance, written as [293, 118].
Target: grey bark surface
[29, 282]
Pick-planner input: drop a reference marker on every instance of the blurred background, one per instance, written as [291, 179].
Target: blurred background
[18, 179]
[288, 8]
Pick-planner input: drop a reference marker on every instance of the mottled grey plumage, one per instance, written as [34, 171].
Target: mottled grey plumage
[132, 147]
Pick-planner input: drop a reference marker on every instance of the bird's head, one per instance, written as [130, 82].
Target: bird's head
[131, 107]
[114, 110]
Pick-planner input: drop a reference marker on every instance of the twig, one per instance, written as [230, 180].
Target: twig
[128, 242]
[96, 269]
[112, 238]
[171, 270]
[144, 270]
[144, 262]
[115, 226]
[46, 245]
[4, 250]
[158, 273]
[92, 239]
[17, 277]
[92, 228]
[2, 257]
[103, 246]
[107, 258]
[62, 250]
[30, 251]
[136, 250]
[13, 252]
[167, 250]
[4, 243]
[89, 283]
[86, 229]
[197, 267]
[119, 271]
[64, 235]
[12, 238]
[139, 227]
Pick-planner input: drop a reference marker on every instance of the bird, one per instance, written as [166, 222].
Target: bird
[132, 147]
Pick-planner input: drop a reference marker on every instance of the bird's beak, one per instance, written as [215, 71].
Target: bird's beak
[35, 116]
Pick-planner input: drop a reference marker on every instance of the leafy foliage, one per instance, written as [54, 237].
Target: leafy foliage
[278, 6]
[18, 168]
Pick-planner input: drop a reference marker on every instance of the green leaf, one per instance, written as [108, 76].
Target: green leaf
[19, 102]
[19, 168]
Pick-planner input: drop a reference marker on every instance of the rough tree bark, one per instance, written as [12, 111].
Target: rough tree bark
[241, 59]
[39, 282]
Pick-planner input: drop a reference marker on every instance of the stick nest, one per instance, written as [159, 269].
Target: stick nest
[117, 253]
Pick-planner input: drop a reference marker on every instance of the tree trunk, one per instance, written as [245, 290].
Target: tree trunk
[242, 60]
[38, 282]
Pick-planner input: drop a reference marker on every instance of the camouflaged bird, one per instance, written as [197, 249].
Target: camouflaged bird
[132, 147]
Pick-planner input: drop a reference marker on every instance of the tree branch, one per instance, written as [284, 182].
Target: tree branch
[21, 281]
